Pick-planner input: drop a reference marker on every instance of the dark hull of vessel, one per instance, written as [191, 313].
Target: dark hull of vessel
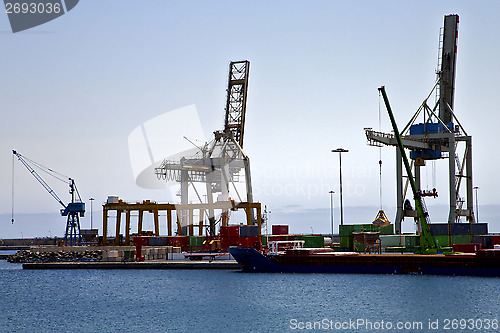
[252, 260]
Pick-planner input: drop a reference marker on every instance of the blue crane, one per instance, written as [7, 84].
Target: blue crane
[73, 210]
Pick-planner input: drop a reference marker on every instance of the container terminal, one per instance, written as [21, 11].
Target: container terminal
[203, 232]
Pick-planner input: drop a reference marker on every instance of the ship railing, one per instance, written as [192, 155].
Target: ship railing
[278, 247]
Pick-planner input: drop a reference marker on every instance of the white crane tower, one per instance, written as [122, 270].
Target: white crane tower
[219, 163]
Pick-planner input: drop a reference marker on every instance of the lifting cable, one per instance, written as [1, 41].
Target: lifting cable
[381, 219]
[12, 217]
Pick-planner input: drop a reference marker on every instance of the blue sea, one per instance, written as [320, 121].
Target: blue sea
[232, 301]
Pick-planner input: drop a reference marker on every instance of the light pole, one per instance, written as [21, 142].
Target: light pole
[91, 217]
[477, 208]
[340, 151]
[331, 209]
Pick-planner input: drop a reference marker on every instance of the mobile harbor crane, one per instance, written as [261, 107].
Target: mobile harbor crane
[73, 210]
[427, 241]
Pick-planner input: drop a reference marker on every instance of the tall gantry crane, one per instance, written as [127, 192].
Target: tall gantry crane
[219, 162]
[437, 137]
[73, 210]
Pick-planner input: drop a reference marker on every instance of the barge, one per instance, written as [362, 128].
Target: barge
[292, 258]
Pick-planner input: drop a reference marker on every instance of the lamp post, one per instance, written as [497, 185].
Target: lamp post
[477, 208]
[331, 209]
[340, 151]
[91, 217]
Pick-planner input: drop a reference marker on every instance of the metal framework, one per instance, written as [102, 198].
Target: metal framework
[121, 207]
[237, 100]
[438, 137]
[73, 210]
[218, 164]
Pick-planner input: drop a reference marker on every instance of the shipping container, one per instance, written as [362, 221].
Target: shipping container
[460, 239]
[391, 241]
[178, 241]
[346, 242]
[249, 242]
[345, 230]
[158, 241]
[280, 229]
[412, 241]
[386, 230]
[439, 229]
[249, 231]
[313, 241]
[467, 248]
[479, 228]
[229, 236]
[196, 240]
[460, 229]
[442, 240]
[230, 231]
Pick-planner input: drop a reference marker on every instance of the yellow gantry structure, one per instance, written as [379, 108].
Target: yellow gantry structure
[154, 208]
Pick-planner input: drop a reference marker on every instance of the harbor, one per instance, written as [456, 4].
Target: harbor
[260, 166]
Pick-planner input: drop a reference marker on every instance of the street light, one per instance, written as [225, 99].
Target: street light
[340, 151]
[331, 209]
[91, 217]
[477, 208]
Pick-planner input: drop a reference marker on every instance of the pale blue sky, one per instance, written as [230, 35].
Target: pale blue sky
[74, 89]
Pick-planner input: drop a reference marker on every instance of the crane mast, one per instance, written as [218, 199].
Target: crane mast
[237, 99]
[73, 210]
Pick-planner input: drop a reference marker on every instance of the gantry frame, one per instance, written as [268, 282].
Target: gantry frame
[156, 208]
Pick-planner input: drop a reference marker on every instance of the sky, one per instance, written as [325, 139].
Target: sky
[75, 88]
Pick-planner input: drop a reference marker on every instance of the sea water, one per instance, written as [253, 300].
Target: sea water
[233, 301]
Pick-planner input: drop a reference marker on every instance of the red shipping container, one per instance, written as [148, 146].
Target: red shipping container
[229, 236]
[141, 240]
[495, 239]
[467, 248]
[249, 242]
[179, 241]
[230, 231]
[280, 229]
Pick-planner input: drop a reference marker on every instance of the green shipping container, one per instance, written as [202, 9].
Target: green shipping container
[314, 241]
[412, 240]
[442, 241]
[387, 230]
[195, 241]
[460, 239]
[392, 241]
[346, 242]
[345, 230]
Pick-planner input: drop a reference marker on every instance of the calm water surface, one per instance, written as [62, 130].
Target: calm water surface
[229, 301]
